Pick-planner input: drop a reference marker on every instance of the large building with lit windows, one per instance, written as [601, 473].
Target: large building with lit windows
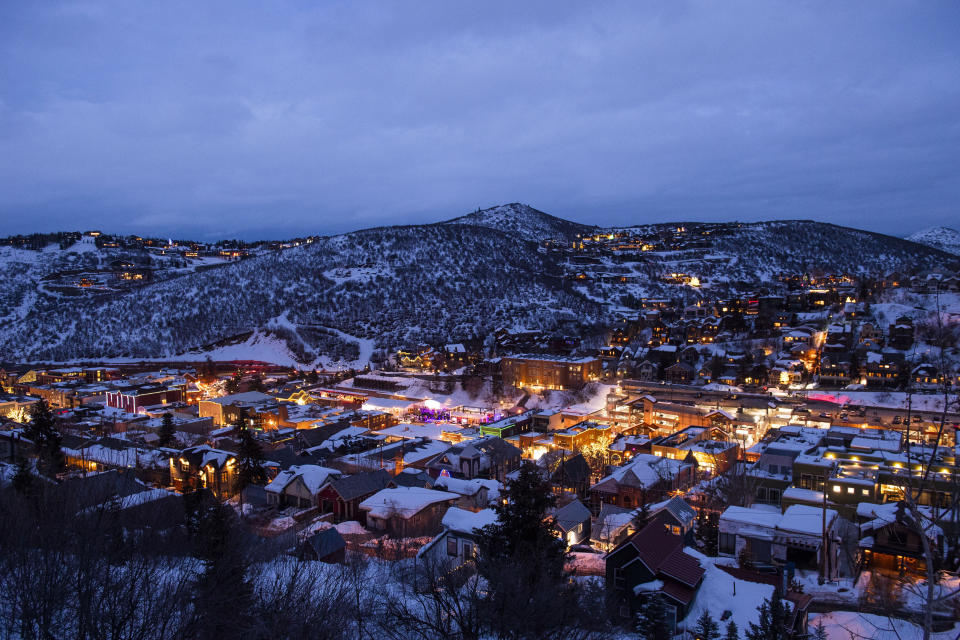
[553, 373]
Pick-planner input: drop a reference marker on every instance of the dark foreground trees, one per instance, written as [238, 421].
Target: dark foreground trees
[521, 558]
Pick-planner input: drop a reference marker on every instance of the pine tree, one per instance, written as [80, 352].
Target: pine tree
[23, 481]
[652, 619]
[707, 628]
[642, 516]
[522, 559]
[709, 532]
[819, 632]
[233, 384]
[772, 622]
[166, 431]
[46, 440]
[249, 458]
[223, 596]
[522, 522]
[733, 633]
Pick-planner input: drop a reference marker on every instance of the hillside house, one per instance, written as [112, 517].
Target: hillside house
[342, 496]
[653, 562]
[407, 512]
[299, 486]
[457, 543]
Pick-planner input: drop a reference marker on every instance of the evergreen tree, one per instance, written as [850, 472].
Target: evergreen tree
[249, 458]
[732, 632]
[642, 517]
[256, 383]
[709, 530]
[166, 431]
[652, 619]
[522, 522]
[522, 559]
[716, 367]
[23, 481]
[819, 632]
[707, 628]
[209, 370]
[233, 384]
[772, 622]
[46, 440]
[223, 596]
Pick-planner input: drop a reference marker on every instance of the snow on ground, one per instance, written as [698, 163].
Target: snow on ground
[568, 400]
[897, 400]
[850, 625]
[351, 527]
[722, 592]
[587, 564]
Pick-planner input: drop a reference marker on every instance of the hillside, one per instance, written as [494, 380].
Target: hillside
[391, 285]
[524, 221]
[943, 238]
[339, 298]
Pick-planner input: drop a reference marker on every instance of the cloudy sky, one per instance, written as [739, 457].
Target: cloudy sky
[273, 119]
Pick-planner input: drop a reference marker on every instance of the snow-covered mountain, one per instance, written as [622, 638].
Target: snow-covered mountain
[523, 221]
[943, 238]
[339, 297]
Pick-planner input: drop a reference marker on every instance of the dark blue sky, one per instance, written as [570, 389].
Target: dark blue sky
[274, 119]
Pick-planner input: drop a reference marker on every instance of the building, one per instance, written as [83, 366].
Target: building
[227, 409]
[407, 512]
[489, 457]
[553, 373]
[645, 478]
[299, 486]
[769, 537]
[653, 562]
[342, 497]
[204, 467]
[134, 398]
[457, 543]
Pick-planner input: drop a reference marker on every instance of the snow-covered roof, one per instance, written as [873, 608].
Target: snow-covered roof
[801, 518]
[313, 476]
[756, 515]
[459, 485]
[403, 501]
[463, 521]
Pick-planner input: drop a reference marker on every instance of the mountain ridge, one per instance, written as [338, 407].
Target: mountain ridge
[388, 286]
[943, 238]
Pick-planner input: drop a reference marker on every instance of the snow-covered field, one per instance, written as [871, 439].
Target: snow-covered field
[850, 625]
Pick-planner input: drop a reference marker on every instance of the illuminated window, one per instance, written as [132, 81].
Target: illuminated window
[836, 488]
[850, 489]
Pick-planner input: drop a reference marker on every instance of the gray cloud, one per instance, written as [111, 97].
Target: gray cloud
[226, 118]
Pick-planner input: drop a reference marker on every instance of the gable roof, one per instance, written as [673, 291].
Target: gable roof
[404, 501]
[361, 484]
[680, 510]
[663, 554]
[574, 470]
[326, 542]
[313, 476]
[571, 515]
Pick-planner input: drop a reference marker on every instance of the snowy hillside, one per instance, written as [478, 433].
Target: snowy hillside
[339, 298]
[523, 221]
[943, 238]
[394, 285]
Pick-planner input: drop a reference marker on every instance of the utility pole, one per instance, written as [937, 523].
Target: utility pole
[824, 542]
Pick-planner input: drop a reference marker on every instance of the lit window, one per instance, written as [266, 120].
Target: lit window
[850, 489]
[866, 492]
[836, 488]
